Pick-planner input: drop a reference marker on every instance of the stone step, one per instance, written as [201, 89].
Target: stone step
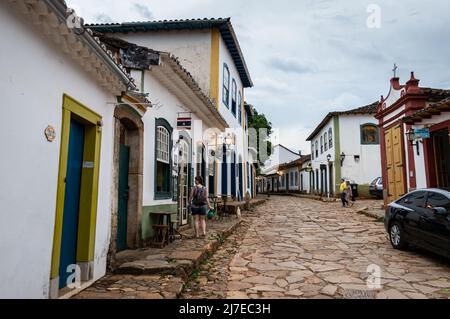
[178, 262]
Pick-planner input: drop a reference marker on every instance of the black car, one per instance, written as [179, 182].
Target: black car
[376, 187]
[421, 218]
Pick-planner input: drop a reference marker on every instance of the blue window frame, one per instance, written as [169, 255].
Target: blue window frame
[317, 149]
[233, 97]
[226, 85]
[330, 138]
[240, 108]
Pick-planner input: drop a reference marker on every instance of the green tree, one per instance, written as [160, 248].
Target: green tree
[259, 121]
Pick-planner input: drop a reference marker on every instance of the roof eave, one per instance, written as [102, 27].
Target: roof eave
[206, 106]
[60, 9]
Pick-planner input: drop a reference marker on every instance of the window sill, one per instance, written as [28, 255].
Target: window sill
[163, 196]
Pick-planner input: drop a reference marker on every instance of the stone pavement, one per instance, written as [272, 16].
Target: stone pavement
[302, 248]
[293, 248]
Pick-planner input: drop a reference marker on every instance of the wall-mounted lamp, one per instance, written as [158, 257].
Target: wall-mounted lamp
[309, 168]
[329, 158]
[412, 138]
[229, 140]
[342, 158]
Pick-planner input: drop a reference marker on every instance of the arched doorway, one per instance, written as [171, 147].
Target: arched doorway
[128, 179]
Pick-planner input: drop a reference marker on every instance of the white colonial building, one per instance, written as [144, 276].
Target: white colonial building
[269, 174]
[209, 50]
[345, 145]
[59, 89]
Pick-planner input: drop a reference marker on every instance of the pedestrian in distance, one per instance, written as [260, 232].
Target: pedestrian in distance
[200, 206]
[342, 189]
[348, 194]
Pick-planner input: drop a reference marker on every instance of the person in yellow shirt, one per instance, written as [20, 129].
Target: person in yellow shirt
[342, 189]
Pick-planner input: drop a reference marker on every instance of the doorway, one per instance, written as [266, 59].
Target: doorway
[331, 184]
[395, 163]
[441, 148]
[241, 179]
[128, 180]
[124, 190]
[224, 184]
[77, 195]
[71, 201]
[233, 176]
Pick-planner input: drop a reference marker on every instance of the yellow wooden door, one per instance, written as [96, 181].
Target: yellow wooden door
[395, 164]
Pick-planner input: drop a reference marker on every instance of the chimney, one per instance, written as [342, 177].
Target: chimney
[395, 83]
[412, 86]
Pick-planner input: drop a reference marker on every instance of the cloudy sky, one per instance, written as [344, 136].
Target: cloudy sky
[310, 57]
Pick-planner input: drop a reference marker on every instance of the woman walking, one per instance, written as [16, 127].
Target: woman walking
[199, 206]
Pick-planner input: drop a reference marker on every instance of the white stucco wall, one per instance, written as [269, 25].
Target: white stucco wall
[279, 156]
[33, 79]
[167, 106]
[369, 166]
[321, 159]
[305, 184]
[192, 47]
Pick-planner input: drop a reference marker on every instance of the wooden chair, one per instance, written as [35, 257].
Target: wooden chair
[161, 236]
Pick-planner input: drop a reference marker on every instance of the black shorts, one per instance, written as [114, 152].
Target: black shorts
[199, 211]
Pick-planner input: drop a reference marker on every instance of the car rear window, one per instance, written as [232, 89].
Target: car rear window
[438, 200]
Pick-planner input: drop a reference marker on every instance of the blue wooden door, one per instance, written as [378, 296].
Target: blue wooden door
[233, 176]
[241, 182]
[124, 163]
[224, 172]
[68, 254]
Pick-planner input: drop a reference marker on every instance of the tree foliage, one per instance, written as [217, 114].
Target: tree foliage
[259, 121]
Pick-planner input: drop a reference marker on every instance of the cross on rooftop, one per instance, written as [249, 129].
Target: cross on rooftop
[395, 70]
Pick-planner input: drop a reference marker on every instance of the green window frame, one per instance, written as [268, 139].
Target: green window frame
[163, 161]
[370, 134]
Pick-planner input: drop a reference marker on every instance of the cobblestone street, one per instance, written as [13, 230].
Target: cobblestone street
[294, 247]
[302, 248]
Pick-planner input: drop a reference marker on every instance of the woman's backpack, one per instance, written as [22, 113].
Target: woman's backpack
[199, 196]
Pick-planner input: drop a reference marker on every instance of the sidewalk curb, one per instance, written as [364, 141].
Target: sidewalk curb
[365, 211]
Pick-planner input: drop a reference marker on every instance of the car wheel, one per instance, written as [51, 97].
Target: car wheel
[396, 236]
